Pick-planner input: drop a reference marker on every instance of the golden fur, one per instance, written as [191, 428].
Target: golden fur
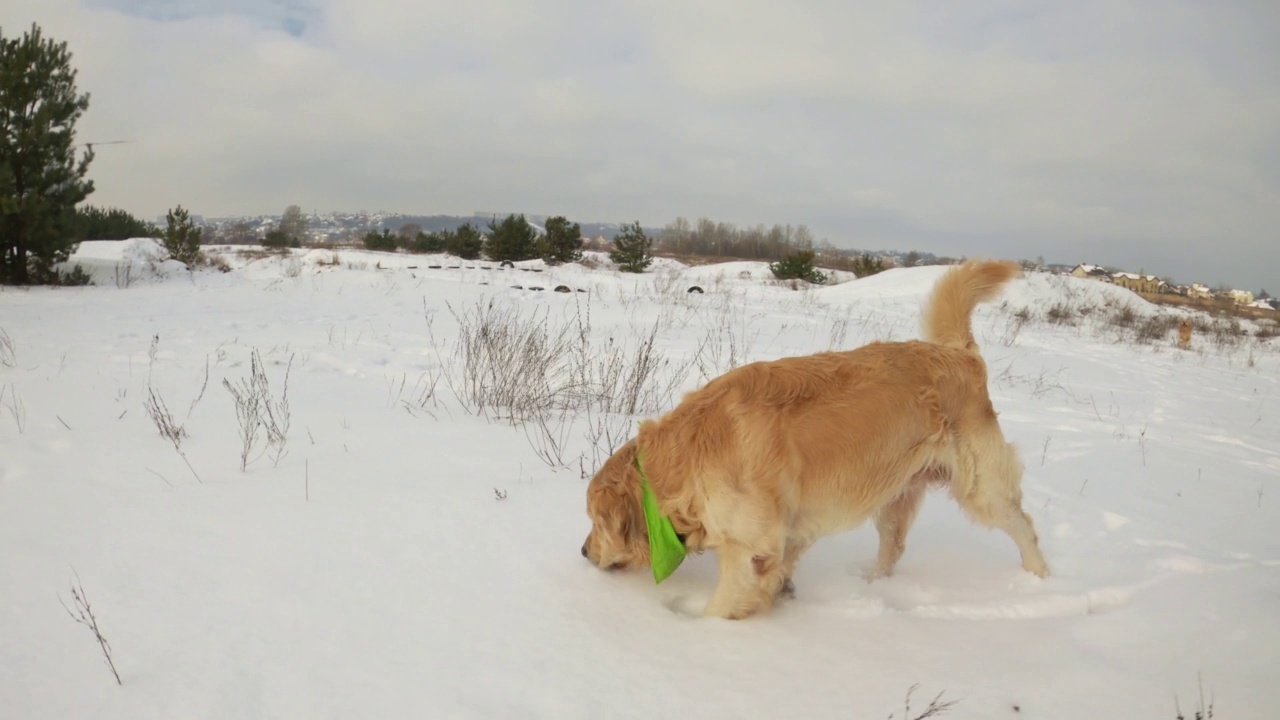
[1184, 334]
[767, 458]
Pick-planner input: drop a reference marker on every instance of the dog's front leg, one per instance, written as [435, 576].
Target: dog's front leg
[748, 582]
[737, 587]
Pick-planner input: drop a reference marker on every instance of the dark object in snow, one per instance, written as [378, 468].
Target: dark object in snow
[536, 287]
[563, 289]
[695, 288]
[506, 264]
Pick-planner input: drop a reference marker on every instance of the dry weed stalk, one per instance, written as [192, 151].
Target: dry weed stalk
[934, 709]
[15, 406]
[8, 354]
[258, 412]
[169, 429]
[83, 615]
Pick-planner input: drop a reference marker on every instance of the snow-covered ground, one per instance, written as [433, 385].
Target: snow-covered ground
[411, 548]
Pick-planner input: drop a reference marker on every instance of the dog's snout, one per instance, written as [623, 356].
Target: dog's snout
[584, 549]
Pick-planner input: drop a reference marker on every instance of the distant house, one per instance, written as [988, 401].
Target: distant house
[1239, 297]
[1166, 288]
[1135, 282]
[1199, 292]
[1091, 272]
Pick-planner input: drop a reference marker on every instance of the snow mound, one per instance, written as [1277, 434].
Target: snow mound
[124, 261]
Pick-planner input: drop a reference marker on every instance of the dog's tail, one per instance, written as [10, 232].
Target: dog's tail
[957, 293]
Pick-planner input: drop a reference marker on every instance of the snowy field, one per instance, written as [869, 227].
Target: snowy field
[403, 540]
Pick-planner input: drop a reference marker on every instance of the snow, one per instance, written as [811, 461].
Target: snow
[408, 558]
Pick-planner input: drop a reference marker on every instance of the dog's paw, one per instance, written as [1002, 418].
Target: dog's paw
[876, 573]
[1040, 570]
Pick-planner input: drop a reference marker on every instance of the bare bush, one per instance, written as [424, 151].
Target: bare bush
[83, 614]
[1154, 328]
[505, 362]
[258, 412]
[1061, 314]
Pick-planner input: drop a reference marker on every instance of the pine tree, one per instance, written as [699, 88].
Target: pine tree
[632, 249]
[798, 266]
[181, 237]
[40, 180]
[562, 243]
[466, 242]
[512, 239]
[111, 224]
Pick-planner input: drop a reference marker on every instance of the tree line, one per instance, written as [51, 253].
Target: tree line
[43, 184]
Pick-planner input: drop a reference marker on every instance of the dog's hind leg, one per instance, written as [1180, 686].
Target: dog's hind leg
[993, 496]
[893, 520]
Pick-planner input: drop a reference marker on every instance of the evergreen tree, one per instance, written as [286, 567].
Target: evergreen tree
[279, 239]
[181, 237]
[512, 239]
[632, 249]
[426, 242]
[111, 224]
[385, 241]
[562, 243]
[466, 242]
[41, 181]
[865, 265]
[798, 266]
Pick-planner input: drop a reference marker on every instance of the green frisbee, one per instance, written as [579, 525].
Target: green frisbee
[666, 552]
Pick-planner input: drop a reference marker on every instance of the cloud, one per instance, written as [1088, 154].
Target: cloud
[1141, 134]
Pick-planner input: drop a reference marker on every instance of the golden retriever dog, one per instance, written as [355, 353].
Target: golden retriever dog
[764, 460]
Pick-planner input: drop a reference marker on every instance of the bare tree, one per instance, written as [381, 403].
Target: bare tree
[293, 223]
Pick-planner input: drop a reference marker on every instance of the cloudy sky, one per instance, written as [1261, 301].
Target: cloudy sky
[1141, 133]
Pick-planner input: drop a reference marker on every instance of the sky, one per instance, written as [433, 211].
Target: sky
[1143, 135]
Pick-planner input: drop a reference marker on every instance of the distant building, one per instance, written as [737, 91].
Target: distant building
[1091, 272]
[1135, 282]
[1239, 297]
[1199, 292]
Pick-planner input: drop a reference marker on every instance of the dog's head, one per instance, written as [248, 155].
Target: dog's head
[619, 539]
